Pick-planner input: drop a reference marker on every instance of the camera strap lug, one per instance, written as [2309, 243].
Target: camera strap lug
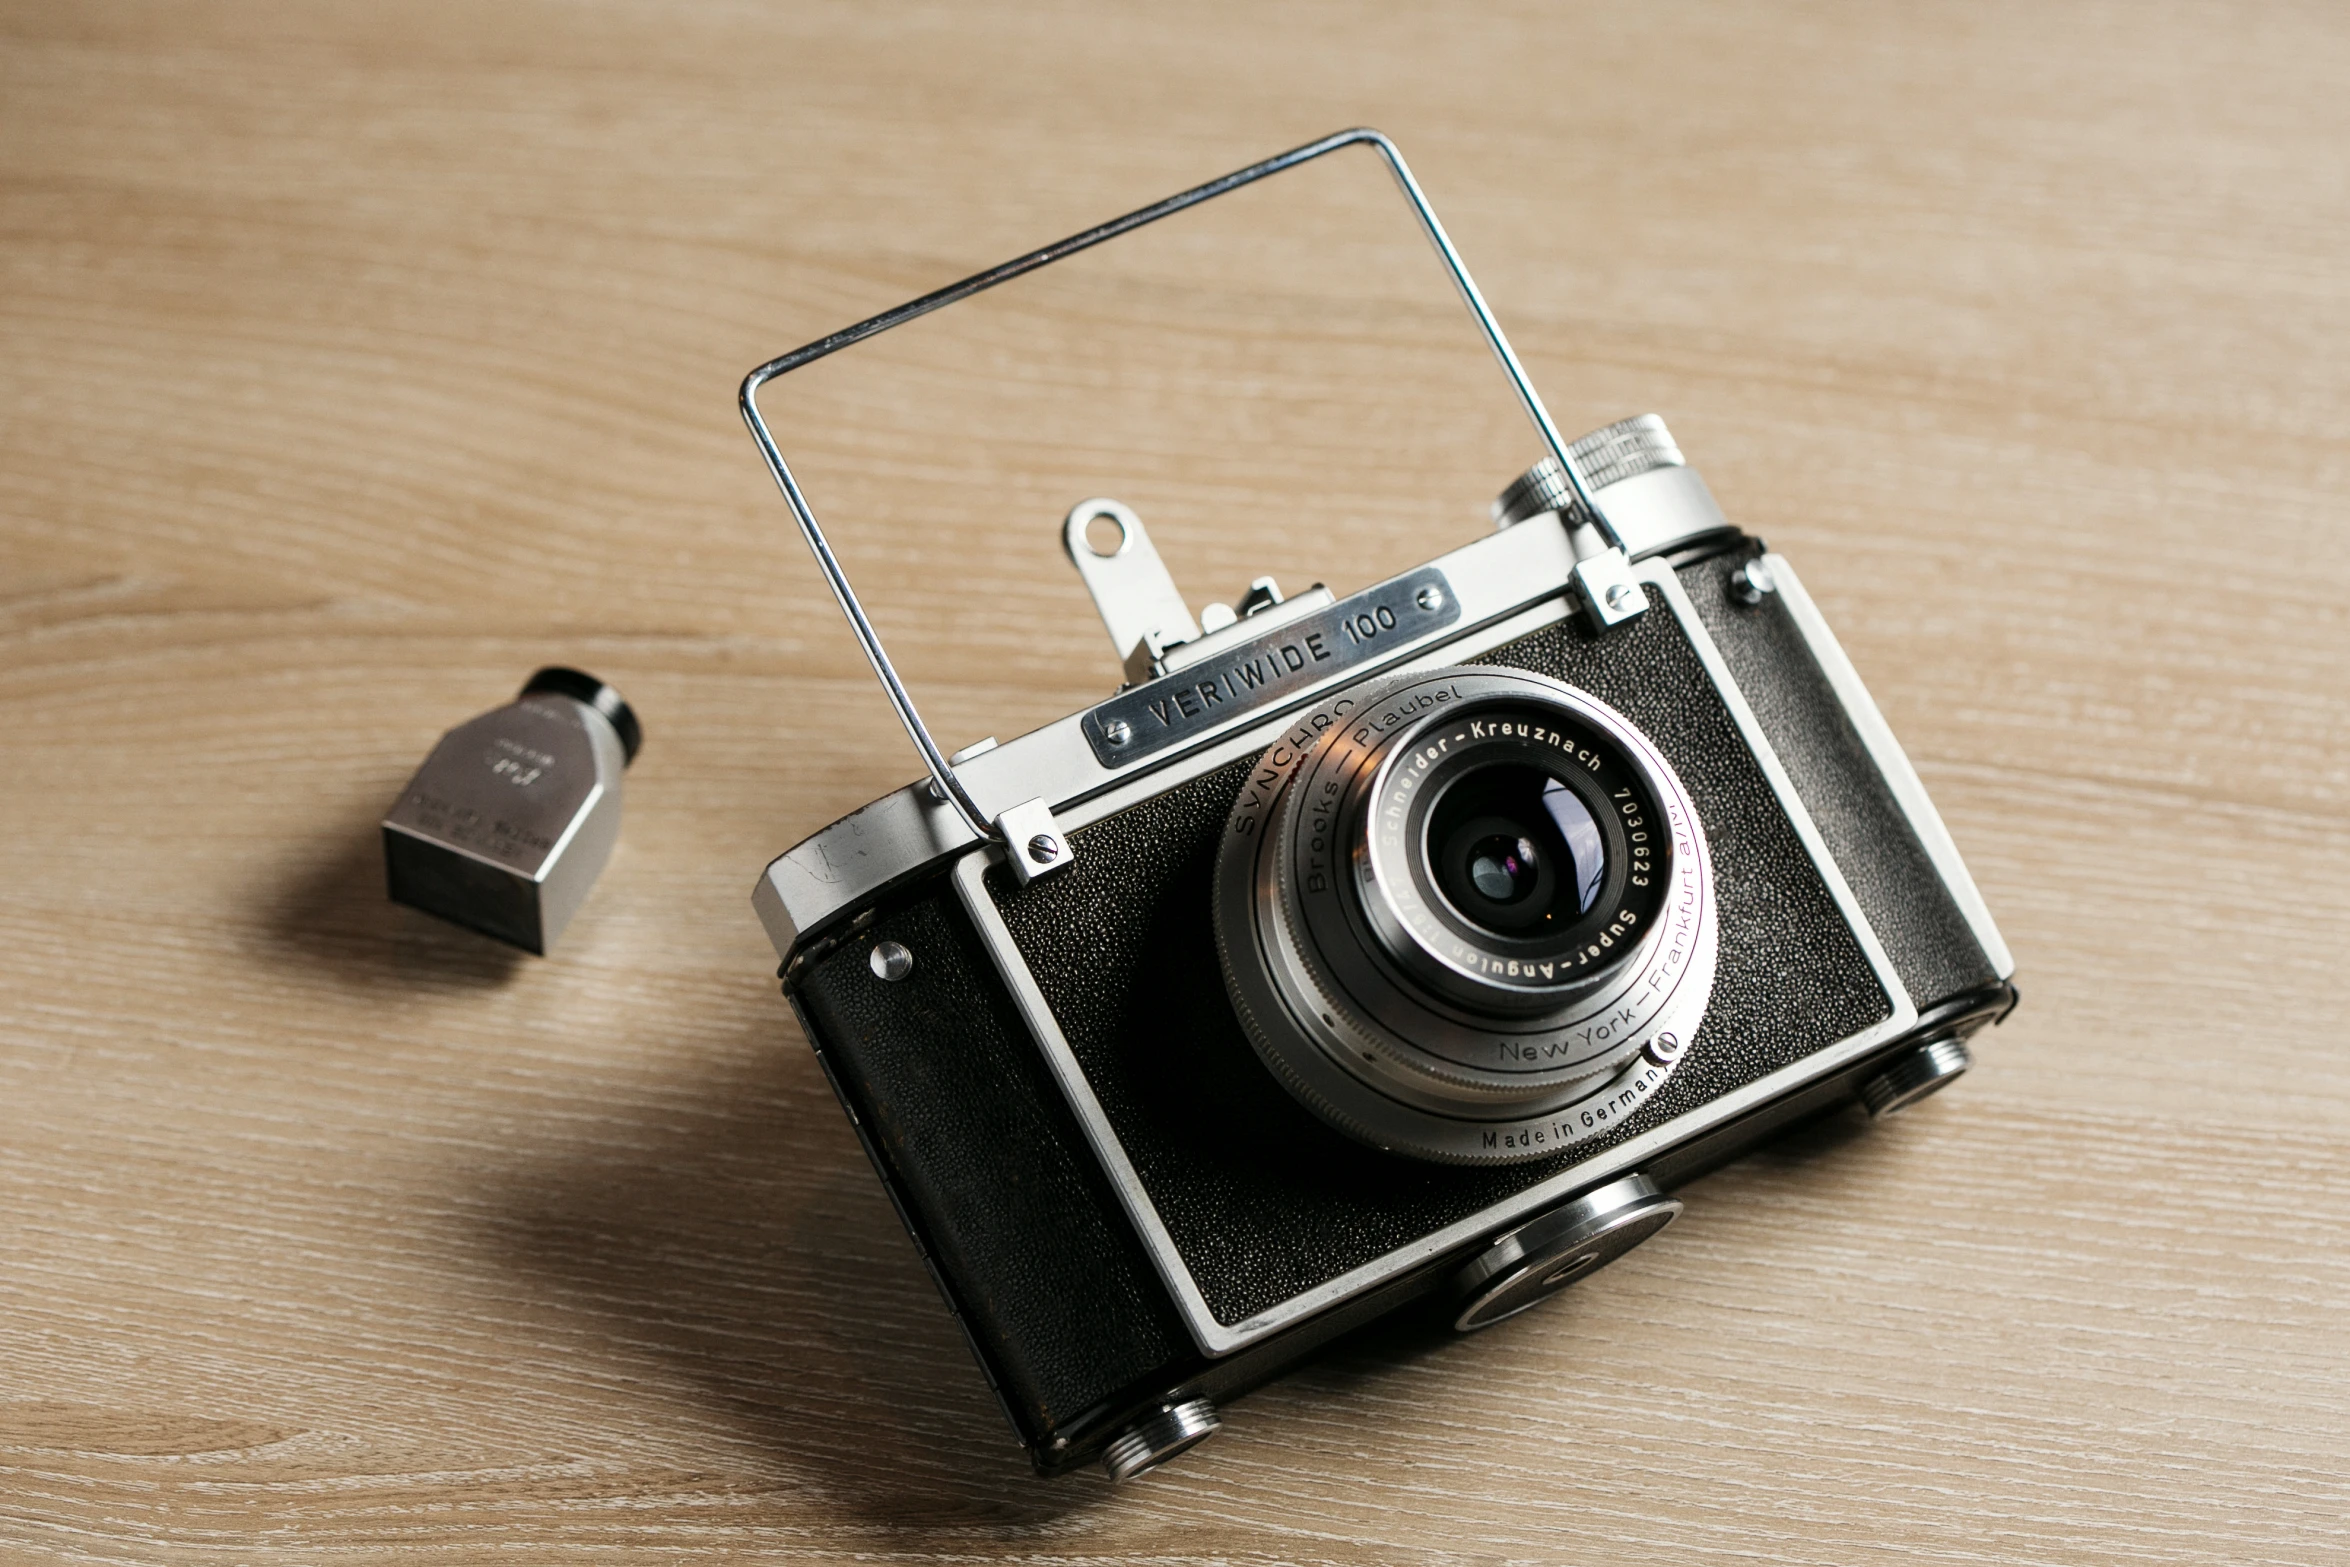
[1033, 842]
[1611, 594]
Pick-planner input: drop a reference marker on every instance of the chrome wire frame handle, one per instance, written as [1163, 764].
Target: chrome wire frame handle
[941, 771]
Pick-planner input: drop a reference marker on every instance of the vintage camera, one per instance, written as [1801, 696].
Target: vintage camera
[1399, 953]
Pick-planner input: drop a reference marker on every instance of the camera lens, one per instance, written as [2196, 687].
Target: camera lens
[1510, 860]
[1468, 898]
[1501, 868]
[1504, 854]
[1516, 849]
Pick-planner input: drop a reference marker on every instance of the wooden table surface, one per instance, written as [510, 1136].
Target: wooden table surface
[355, 360]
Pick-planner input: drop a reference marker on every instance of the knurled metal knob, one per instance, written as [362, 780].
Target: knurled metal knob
[1609, 455]
[1927, 1069]
[1149, 1443]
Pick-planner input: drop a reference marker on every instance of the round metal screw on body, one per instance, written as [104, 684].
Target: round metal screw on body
[1619, 596]
[1117, 731]
[1750, 582]
[1430, 599]
[1044, 848]
[890, 961]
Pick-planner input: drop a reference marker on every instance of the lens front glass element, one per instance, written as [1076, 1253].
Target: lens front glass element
[1515, 849]
[1510, 852]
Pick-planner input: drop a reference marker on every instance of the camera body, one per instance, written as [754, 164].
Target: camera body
[1395, 954]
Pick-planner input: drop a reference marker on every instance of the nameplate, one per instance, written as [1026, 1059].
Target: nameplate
[1265, 671]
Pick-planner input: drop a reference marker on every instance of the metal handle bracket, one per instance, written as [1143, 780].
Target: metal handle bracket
[942, 772]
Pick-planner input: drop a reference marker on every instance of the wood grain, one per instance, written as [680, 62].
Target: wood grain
[354, 360]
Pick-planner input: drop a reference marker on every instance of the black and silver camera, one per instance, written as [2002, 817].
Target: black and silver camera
[1400, 952]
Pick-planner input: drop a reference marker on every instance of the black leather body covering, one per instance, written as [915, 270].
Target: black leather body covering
[1019, 1223]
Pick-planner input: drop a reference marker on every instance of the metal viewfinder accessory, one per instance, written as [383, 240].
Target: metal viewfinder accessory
[506, 825]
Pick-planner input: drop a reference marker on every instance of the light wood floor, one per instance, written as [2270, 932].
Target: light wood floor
[357, 359]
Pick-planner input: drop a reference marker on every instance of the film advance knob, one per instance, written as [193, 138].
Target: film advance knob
[1623, 450]
[1553, 1250]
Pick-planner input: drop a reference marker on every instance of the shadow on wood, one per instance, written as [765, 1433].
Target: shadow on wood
[333, 915]
[730, 1231]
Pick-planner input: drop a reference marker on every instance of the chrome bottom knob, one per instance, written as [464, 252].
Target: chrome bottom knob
[1918, 1072]
[1147, 1444]
[1545, 1255]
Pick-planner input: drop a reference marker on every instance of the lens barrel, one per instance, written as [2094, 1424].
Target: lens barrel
[1467, 914]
